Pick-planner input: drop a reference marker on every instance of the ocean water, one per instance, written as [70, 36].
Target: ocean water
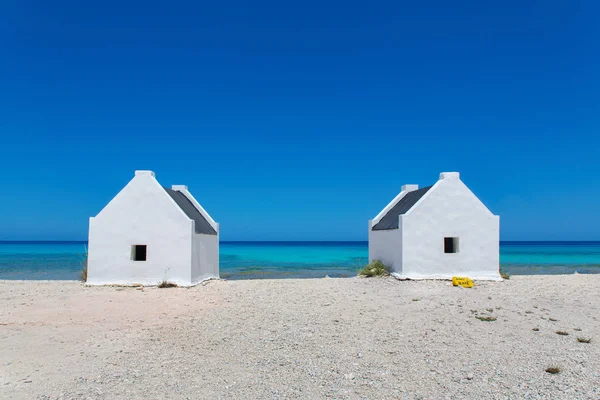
[257, 260]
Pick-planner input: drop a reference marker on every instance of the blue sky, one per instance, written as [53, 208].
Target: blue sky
[300, 121]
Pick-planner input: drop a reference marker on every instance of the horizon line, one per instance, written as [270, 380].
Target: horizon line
[304, 241]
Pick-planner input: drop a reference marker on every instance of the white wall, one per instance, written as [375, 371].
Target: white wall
[450, 209]
[205, 257]
[142, 213]
[386, 246]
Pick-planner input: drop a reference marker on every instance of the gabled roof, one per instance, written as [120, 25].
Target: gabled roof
[202, 225]
[390, 220]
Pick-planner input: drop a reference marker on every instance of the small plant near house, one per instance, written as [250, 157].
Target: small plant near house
[563, 333]
[376, 268]
[83, 262]
[553, 370]
[485, 319]
[584, 340]
[166, 284]
[504, 275]
[83, 273]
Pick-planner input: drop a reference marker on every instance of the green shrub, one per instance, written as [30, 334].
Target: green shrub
[504, 275]
[376, 268]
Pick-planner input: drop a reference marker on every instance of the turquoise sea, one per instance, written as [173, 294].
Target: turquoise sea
[255, 260]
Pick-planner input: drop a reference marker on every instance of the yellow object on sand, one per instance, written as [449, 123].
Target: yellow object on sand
[462, 281]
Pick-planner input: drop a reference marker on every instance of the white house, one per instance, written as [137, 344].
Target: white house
[437, 232]
[149, 233]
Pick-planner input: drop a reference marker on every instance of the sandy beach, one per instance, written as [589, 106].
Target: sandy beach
[351, 338]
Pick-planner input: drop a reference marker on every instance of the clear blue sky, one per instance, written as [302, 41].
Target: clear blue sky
[300, 121]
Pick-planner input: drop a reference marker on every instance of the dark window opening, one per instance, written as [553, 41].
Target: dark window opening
[451, 245]
[138, 252]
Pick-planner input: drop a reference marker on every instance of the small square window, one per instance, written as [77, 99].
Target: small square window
[138, 252]
[450, 245]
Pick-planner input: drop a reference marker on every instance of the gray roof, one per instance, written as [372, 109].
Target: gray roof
[390, 220]
[202, 225]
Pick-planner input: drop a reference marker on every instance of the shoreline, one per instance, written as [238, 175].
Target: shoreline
[254, 278]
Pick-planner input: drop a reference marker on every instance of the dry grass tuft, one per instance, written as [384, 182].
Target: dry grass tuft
[486, 319]
[84, 267]
[584, 340]
[536, 329]
[553, 370]
[83, 273]
[166, 284]
[563, 333]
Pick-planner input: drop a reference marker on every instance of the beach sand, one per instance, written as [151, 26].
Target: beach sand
[374, 338]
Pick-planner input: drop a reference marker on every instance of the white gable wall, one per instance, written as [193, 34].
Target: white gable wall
[142, 213]
[450, 209]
